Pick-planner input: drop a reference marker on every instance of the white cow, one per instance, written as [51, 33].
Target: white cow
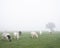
[34, 34]
[16, 35]
[6, 36]
[40, 32]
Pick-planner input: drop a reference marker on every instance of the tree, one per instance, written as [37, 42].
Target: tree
[50, 26]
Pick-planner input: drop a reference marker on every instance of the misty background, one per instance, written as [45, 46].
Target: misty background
[26, 15]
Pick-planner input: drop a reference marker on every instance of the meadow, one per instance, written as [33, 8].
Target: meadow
[45, 40]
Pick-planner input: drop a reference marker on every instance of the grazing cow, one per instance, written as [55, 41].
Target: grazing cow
[6, 36]
[34, 34]
[16, 35]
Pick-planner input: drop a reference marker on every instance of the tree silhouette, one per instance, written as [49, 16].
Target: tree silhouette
[50, 26]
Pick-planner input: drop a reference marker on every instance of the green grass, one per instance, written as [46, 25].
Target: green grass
[44, 41]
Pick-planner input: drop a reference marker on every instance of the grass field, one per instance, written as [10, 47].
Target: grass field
[44, 41]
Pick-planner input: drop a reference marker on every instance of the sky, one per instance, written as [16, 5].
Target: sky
[26, 15]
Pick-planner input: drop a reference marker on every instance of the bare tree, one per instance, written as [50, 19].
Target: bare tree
[50, 26]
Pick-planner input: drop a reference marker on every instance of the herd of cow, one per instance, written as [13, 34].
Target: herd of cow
[16, 35]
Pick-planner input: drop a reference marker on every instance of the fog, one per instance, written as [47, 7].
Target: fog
[26, 15]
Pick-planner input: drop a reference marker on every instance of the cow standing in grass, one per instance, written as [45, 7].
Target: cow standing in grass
[40, 32]
[34, 34]
[17, 35]
[6, 36]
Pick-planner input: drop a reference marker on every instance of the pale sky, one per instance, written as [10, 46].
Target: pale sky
[28, 14]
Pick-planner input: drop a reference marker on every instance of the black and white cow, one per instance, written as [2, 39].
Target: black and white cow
[6, 36]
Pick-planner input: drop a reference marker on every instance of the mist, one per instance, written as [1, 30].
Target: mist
[27, 15]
